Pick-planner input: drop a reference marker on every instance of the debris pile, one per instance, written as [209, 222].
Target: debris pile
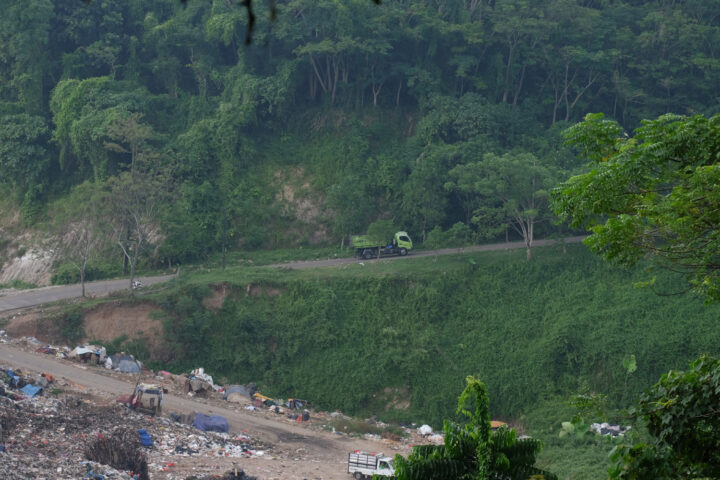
[61, 434]
[609, 430]
[119, 450]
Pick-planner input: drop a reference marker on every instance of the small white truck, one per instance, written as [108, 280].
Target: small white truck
[362, 465]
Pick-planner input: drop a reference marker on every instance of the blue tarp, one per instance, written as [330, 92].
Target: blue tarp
[211, 423]
[31, 390]
[145, 438]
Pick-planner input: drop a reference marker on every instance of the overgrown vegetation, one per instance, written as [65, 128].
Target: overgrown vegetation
[555, 326]
[431, 114]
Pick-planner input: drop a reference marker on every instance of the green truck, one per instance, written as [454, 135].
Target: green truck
[368, 247]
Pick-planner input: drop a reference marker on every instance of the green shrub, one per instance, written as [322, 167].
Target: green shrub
[68, 274]
[71, 326]
[456, 236]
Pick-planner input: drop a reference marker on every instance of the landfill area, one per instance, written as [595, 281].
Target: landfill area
[64, 417]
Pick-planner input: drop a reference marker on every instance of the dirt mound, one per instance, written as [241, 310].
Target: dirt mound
[220, 293]
[34, 323]
[110, 321]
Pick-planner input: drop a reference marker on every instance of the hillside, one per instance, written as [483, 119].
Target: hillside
[396, 339]
[321, 120]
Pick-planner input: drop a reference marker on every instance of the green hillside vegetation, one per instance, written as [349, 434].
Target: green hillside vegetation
[336, 115]
[398, 338]
[533, 331]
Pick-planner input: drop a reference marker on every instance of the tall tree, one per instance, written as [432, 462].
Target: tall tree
[83, 227]
[514, 188]
[135, 199]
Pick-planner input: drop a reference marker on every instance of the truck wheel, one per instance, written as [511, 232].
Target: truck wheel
[403, 251]
[358, 476]
[368, 254]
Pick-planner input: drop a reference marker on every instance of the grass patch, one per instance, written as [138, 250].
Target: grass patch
[18, 285]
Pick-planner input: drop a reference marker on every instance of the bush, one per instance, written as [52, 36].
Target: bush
[456, 236]
[68, 273]
[72, 327]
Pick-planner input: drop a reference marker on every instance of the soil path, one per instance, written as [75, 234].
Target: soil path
[37, 296]
[430, 253]
[28, 298]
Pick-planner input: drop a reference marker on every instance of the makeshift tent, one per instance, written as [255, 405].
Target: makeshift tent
[246, 390]
[211, 423]
[128, 366]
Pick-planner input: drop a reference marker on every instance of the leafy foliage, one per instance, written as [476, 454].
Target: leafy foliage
[338, 114]
[473, 451]
[555, 326]
[652, 195]
[681, 415]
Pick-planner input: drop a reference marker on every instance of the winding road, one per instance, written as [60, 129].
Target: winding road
[29, 298]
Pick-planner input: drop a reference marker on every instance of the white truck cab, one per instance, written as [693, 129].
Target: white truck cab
[363, 465]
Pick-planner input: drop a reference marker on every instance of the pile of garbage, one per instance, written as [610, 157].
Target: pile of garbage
[200, 383]
[58, 434]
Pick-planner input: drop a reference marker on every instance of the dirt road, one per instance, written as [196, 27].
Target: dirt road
[430, 253]
[38, 296]
[28, 298]
[300, 452]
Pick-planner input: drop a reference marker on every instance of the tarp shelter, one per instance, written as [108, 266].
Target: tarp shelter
[145, 438]
[211, 423]
[236, 397]
[31, 390]
[128, 366]
[246, 390]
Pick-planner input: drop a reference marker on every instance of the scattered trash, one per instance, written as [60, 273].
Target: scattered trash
[609, 430]
[31, 390]
[119, 451]
[425, 430]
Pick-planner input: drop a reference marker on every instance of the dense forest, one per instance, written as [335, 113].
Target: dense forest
[442, 116]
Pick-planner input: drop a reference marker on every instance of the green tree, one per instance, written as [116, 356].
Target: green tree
[24, 152]
[129, 136]
[473, 451]
[653, 195]
[82, 227]
[683, 423]
[514, 190]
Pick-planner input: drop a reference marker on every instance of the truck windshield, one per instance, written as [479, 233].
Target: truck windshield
[404, 239]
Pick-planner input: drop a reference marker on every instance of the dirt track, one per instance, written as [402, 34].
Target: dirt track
[431, 253]
[39, 296]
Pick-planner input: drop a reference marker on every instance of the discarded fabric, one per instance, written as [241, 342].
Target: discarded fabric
[211, 423]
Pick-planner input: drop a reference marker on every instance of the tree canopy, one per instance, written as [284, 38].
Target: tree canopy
[338, 113]
[650, 195]
[681, 415]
